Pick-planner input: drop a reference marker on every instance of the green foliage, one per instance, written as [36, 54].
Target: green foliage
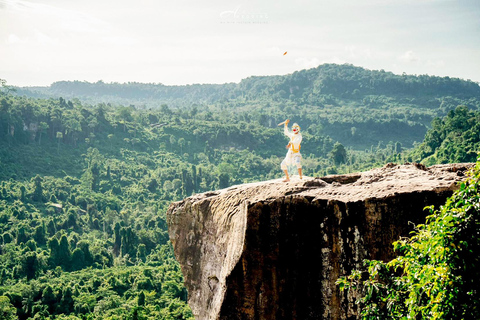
[4, 88]
[38, 191]
[437, 272]
[7, 311]
[102, 294]
[85, 182]
[339, 154]
[455, 138]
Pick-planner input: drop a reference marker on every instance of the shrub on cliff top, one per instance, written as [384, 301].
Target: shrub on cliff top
[437, 272]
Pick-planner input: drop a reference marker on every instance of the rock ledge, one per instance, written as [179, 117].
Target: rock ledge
[273, 250]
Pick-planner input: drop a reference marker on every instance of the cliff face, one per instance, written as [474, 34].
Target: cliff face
[274, 250]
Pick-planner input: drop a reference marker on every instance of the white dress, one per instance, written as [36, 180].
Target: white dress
[293, 156]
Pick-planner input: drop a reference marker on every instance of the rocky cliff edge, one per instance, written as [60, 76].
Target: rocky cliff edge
[273, 250]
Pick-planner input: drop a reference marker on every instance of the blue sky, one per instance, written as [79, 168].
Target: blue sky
[186, 41]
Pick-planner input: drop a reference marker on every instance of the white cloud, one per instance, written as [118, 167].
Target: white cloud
[409, 56]
[120, 41]
[355, 52]
[274, 51]
[352, 51]
[53, 19]
[38, 37]
[14, 39]
[307, 63]
[435, 63]
[430, 64]
[44, 39]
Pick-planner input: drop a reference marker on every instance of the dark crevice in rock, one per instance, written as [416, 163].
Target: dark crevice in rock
[342, 179]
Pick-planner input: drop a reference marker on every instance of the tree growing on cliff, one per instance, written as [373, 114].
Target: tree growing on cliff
[437, 274]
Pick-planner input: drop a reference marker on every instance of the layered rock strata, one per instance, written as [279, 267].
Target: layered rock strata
[273, 250]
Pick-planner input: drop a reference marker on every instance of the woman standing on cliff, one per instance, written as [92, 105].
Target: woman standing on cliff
[293, 156]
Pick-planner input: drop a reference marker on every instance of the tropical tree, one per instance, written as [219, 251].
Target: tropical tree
[437, 274]
[7, 310]
[338, 154]
[42, 128]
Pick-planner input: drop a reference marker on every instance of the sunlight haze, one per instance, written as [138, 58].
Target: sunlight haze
[185, 42]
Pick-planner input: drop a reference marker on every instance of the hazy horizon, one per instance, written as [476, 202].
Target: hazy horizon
[208, 83]
[217, 42]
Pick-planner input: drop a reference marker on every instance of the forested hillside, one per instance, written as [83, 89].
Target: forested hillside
[455, 138]
[355, 106]
[83, 194]
[88, 170]
[83, 231]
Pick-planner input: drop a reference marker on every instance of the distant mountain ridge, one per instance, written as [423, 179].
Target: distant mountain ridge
[343, 81]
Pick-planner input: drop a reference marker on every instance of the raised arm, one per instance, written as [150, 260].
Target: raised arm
[285, 129]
